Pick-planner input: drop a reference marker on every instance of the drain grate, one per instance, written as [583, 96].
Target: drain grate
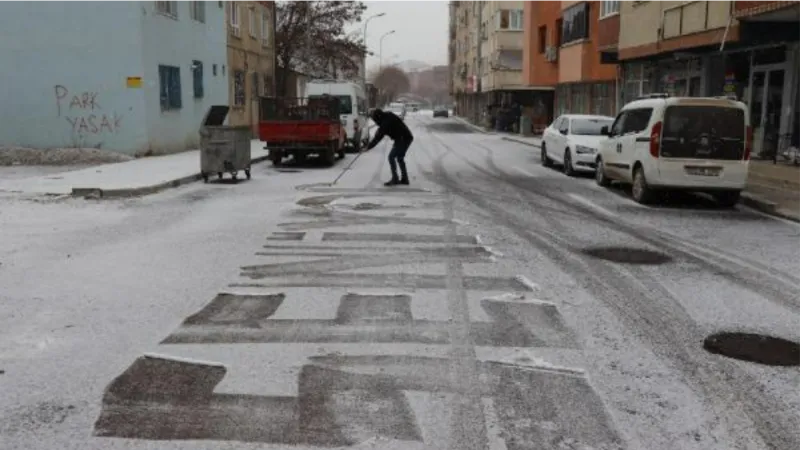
[289, 170]
[627, 255]
[757, 348]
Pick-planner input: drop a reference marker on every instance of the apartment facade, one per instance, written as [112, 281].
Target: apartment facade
[131, 77]
[251, 58]
[571, 46]
[486, 58]
[744, 49]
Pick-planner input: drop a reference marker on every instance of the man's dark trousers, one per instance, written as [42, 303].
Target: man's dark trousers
[397, 158]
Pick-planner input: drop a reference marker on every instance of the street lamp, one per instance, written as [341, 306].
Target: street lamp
[380, 52]
[364, 64]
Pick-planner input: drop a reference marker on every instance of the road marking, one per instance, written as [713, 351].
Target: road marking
[586, 202]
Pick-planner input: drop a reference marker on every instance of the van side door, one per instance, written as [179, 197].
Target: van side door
[612, 147]
[634, 140]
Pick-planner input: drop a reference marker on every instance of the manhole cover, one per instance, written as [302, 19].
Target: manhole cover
[627, 255]
[756, 348]
[289, 170]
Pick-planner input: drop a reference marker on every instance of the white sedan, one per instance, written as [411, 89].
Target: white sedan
[572, 141]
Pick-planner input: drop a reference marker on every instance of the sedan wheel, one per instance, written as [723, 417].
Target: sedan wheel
[568, 169]
[545, 160]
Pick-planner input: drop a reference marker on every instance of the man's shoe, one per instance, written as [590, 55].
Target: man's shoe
[391, 183]
[403, 181]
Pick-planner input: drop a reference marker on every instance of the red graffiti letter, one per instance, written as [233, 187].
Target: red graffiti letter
[61, 92]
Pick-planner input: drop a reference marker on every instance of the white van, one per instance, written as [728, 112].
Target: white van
[662, 143]
[352, 108]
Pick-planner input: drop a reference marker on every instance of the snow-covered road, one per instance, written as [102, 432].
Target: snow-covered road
[475, 309]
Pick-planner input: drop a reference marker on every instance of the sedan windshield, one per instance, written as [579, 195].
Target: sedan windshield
[589, 127]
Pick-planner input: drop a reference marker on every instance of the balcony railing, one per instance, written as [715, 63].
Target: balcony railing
[693, 17]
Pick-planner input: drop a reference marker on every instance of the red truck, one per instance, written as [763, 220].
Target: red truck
[301, 127]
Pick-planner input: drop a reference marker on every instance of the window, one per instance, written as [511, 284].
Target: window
[255, 85]
[542, 38]
[265, 27]
[608, 8]
[602, 99]
[563, 127]
[576, 23]
[167, 8]
[509, 19]
[619, 122]
[267, 85]
[238, 88]
[636, 120]
[253, 22]
[559, 31]
[234, 14]
[169, 80]
[589, 127]
[197, 78]
[686, 128]
[197, 10]
[345, 103]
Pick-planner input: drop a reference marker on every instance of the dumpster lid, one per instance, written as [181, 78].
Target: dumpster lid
[216, 115]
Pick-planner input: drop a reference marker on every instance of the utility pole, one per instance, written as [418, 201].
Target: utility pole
[366, 52]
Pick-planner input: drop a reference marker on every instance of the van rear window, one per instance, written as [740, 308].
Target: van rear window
[703, 132]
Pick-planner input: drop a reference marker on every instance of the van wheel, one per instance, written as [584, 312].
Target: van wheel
[641, 192]
[547, 162]
[727, 199]
[600, 175]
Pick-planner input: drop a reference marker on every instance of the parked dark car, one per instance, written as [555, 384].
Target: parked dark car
[441, 111]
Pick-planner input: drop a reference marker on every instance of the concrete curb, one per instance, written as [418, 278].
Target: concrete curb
[145, 190]
[472, 125]
[766, 207]
[520, 141]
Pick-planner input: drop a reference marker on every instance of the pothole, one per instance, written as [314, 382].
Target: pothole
[757, 348]
[627, 255]
[317, 200]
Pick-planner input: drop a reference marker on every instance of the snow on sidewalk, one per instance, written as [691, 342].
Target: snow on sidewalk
[126, 177]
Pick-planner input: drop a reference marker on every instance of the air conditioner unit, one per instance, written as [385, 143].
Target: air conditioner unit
[551, 54]
[236, 31]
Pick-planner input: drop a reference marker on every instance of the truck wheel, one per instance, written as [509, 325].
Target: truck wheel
[329, 155]
[276, 156]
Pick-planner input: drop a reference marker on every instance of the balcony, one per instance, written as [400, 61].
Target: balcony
[694, 17]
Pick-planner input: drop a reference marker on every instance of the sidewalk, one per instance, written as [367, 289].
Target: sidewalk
[774, 189]
[138, 177]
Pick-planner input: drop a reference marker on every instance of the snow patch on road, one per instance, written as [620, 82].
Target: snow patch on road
[183, 359]
[515, 297]
[527, 282]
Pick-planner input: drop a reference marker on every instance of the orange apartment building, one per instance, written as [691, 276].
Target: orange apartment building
[572, 47]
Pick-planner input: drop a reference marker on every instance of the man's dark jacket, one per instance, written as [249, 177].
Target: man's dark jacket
[390, 125]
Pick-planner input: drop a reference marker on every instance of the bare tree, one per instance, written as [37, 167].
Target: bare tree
[390, 81]
[310, 38]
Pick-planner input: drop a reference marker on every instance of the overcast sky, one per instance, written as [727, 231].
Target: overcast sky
[420, 31]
